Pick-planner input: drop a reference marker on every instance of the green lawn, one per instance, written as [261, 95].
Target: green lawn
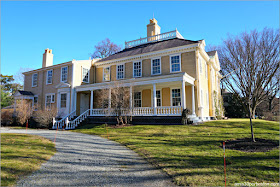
[192, 155]
[21, 154]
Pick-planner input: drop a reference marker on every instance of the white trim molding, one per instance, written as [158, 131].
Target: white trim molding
[180, 63]
[155, 58]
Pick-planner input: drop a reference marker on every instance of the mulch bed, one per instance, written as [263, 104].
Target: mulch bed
[246, 145]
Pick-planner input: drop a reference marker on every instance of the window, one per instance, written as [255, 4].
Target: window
[49, 100]
[63, 99]
[176, 97]
[158, 96]
[35, 103]
[156, 66]
[34, 79]
[106, 74]
[85, 75]
[137, 69]
[175, 63]
[64, 74]
[120, 71]
[137, 99]
[49, 76]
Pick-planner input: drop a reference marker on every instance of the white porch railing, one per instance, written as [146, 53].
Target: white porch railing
[61, 123]
[163, 36]
[67, 123]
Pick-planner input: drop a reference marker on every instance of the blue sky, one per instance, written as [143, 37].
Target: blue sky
[71, 29]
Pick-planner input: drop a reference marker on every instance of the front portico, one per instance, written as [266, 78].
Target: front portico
[165, 95]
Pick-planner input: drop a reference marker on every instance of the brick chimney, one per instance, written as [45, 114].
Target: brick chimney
[47, 58]
[153, 28]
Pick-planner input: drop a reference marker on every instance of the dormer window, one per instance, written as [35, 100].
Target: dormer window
[175, 63]
[106, 74]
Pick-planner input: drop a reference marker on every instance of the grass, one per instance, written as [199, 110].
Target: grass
[193, 156]
[21, 154]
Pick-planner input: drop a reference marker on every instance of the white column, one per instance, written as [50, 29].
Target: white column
[183, 96]
[155, 99]
[130, 97]
[91, 101]
[193, 101]
[75, 101]
[109, 93]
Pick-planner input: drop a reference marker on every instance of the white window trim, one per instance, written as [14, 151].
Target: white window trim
[123, 71]
[109, 73]
[200, 64]
[47, 77]
[52, 96]
[33, 80]
[61, 74]
[172, 88]
[141, 69]
[170, 66]
[140, 97]
[88, 74]
[159, 65]
[60, 99]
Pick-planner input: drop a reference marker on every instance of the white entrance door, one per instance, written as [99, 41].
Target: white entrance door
[84, 102]
[63, 103]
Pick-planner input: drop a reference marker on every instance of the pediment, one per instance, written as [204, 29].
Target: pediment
[63, 85]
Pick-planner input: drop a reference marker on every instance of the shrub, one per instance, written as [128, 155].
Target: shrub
[24, 111]
[7, 117]
[44, 117]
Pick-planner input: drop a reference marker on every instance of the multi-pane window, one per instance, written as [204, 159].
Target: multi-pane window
[49, 100]
[156, 66]
[158, 96]
[175, 63]
[106, 74]
[35, 103]
[34, 79]
[63, 99]
[85, 75]
[64, 74]
[137, 69]
[137, 99]
[49, 76]
[120, 71]
[176, 97]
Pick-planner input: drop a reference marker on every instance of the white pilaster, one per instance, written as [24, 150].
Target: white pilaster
[91, 99]
[183, 96]
[155, 99]
[193, 101]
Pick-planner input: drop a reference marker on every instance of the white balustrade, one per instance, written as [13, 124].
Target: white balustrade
[163, 36]
[60, 123]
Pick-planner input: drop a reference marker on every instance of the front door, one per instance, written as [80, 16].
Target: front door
[84, 102]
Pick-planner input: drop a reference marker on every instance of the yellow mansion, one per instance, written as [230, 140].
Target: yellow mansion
[164, 72]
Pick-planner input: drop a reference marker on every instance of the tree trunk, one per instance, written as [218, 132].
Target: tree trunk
[251, 124]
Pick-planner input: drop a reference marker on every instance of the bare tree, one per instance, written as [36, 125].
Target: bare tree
[105, 48]
[19, 77]
[252, 61]
[44, 117]
[120, 99]
[24, 111]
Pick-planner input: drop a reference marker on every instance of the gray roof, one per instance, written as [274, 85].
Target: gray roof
[25, 92]
[211, 53]
[149, 47]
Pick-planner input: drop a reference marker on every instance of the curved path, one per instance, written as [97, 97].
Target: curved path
[88, 160]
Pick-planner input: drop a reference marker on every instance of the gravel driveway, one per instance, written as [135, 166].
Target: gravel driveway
[88, 160]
